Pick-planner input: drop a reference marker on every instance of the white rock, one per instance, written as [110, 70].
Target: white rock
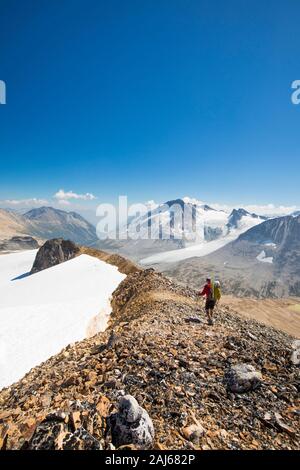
[296, 344]
[243, 378]
[295, 357]
[131, 425]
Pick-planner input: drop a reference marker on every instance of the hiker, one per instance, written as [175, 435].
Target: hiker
[213, 295]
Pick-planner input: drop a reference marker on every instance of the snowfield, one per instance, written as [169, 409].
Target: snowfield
[201, 249]
[204, 247]
[198, 250]
[42, 313]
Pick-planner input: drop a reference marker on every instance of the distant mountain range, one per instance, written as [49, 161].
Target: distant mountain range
[251, 254]
[46, 222]
[264, 261]
[177, 226]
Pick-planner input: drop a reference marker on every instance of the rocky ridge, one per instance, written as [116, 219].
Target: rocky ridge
[231, 386]
[19, 242]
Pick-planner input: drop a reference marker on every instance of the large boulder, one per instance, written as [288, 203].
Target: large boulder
[131, 425]
[242, 378]
[54, 252]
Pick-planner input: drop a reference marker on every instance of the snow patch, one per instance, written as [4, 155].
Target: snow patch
[263, 258]
[198, 250]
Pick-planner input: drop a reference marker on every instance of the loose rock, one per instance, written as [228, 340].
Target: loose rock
[243, 378]
[131, 425]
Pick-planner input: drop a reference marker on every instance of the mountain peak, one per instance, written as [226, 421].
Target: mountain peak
[241, 212]
[179, 202]
[36, 212]
[207, 208]
[49, 222]
[236, 216]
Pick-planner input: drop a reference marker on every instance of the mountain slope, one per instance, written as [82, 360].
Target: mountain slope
[11, 224]
[47, 222]
[263, 262]
[282, 314]
[159, 349]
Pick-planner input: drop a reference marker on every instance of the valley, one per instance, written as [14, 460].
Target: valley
[283, 314]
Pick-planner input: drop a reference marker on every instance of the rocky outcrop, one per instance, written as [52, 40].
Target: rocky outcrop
[159, 349]
[54, 252]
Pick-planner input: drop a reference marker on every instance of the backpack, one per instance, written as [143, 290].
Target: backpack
[217, 293]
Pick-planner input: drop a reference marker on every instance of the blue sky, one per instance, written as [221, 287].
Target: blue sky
[152, 99]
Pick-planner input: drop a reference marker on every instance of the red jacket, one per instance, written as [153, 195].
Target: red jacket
[206, 290]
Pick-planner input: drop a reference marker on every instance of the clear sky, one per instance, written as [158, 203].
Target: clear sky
[154, 99]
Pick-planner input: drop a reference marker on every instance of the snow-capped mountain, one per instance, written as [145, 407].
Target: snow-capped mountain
[176, 225]
[179, 228]
[239, 217]
[178, 219]
[190, 221]
[183, 228]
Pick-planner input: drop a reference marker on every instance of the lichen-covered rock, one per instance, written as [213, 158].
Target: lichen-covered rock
[54, 252]
[81, 439]
[131, 424]
[129, 409]
[242, 378]
[48, 433]
[68, 431]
